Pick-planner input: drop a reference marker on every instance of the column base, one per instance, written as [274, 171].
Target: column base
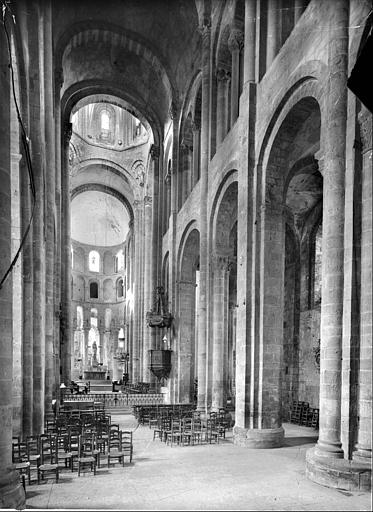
[344, 474]
[259, 438]
[12, 494]
[362, 455]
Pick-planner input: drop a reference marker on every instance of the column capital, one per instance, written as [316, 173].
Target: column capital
[167, 179]
[148, 200]
[205, 27]
[137, 204]
[221, 261]
[172, 112]
[235, 40]
[154, 152]
[365, 119]
[222, 75]
[184, 282]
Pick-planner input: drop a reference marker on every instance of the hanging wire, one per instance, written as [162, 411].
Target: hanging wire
[25, 140]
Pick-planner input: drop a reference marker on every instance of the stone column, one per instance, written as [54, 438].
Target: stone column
[329, 443]
[37, 133]
[148, 295]
[273, 31]
[235, 45]
[250, 32]
[58, 81]
[196, 151]
[156, 243]
[223, 78]
[17, 290]
[12, 495]
[220, 272]
[66, 331]
[363, 447]
[168, 200]
[186, 340]
[85, 347]
[203, 284]
[137, 273]
[50, 377]
[27, 272]
[181, 181]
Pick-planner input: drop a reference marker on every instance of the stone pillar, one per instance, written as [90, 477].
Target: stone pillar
[363, 447]
[203, 284]
[137, 275]
[156, 243]
[17, 318]
[220, 291]
[27, 271]
[85, 347]
[12, 495]
[66, 331]
[37, 135]
[116, 373]
[168, 200]
[183, 169]
[223, 78]
[148, 295]
[196, 151]
[250, 32]
[273, 31]
[329, 443]
[58, 81]
[235, 44]
[50, 377]
[185, 369]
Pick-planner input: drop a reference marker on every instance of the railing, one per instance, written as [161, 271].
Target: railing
[117, 400]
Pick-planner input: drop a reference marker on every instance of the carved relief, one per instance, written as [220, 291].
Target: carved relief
[138, 171]
[235, 40]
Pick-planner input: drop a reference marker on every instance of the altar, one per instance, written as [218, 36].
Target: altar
[95, 374]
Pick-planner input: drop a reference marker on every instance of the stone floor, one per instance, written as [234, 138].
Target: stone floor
[207, 477]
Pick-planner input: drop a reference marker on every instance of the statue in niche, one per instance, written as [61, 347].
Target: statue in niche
[94, 355]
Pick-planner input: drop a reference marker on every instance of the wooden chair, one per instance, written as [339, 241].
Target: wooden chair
[115, 450]
[187, 435]
[212, 432]
[33, 450]
[63, 453]
[85, 460]
[127, 443]
[174, 436]
[19, 459]
[73, 448]
[89, 447]
[49, 464]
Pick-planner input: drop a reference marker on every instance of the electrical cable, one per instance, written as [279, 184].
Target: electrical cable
[25, 143]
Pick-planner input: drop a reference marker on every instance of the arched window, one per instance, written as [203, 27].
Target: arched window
[93, 290]
[94, 261]
[105, 124]
[315, 269]
[119, 261]
[120, 288]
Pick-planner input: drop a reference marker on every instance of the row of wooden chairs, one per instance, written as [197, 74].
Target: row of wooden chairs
[72, 443]
[188, 431]
[302, 414]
